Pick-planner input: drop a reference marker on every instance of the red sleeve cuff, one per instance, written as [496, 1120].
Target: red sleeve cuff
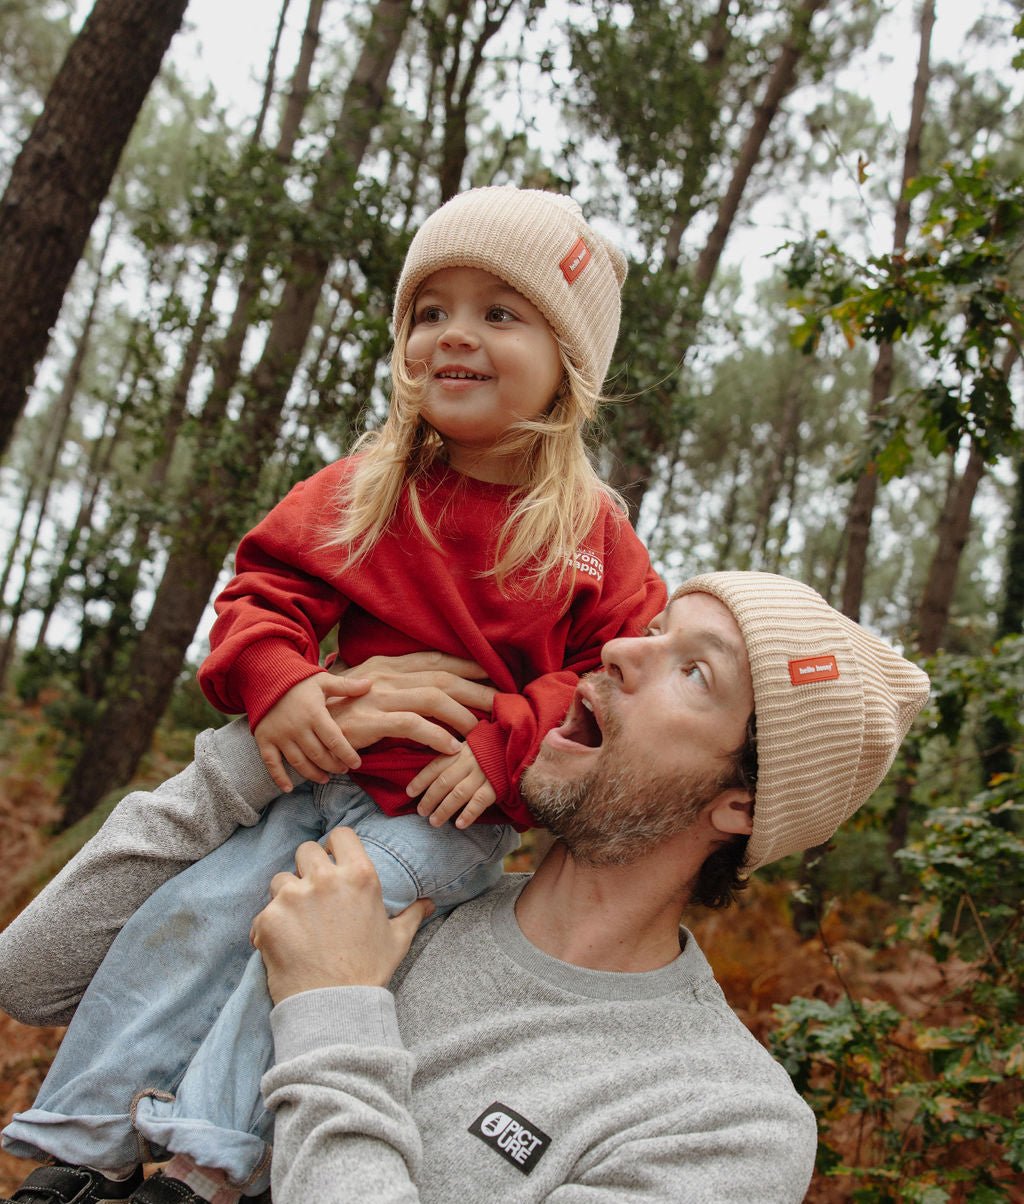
[488, 744]
[265, 672]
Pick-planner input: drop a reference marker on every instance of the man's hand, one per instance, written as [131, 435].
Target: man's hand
[299, 729]
[453, 784]
[325, 925]
[406, 693]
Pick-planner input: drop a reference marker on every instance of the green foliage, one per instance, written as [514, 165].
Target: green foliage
[956, 292]
[926, 1104]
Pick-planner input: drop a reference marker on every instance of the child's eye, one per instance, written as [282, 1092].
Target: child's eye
[430, 313]
[498, 313]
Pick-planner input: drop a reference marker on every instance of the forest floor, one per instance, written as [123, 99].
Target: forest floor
[758, 957]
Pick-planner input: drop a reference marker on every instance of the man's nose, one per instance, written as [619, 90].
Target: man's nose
[624, 659]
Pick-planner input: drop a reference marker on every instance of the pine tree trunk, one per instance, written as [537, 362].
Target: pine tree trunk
[1011, 613]
[62, 409]
[785, 439]
[63, 172]
[953, 528]
[221, 492]
[862, 503]
[100, 455]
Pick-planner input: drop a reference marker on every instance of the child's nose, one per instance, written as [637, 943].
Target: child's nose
[457, 334]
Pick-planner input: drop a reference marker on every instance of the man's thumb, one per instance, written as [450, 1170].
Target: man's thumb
[407, 922]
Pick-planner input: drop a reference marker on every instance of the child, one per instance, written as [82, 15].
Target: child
[472, 523]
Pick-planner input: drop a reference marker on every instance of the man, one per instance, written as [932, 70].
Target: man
[556, 1039]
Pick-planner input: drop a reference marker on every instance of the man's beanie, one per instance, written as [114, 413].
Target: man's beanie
[833, 703]
[540, 244]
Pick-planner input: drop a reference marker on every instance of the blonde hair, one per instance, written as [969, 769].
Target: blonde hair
[554, 507]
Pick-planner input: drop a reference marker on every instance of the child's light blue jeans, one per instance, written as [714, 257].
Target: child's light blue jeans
[168, 1046]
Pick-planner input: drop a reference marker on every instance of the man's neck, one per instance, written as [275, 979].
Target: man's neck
[620, 918]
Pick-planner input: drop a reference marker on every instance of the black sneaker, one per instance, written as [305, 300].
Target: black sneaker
[62, 1184]
[162, 1189]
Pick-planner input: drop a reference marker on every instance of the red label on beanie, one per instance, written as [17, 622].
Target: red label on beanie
[813, 668]
[574, 263]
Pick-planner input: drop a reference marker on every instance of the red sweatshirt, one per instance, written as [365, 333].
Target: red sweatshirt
[406, 596]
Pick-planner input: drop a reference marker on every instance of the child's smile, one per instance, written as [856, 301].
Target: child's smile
[491, 360]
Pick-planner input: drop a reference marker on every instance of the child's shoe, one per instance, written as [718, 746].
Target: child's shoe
[162, 1189]
[61, 1184]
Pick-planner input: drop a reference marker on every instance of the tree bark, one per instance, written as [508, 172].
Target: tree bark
[1011, 613]
[953, 528]
[786, 448]
[221, 491]
[865, 493]
[458, 88]
[63, 172]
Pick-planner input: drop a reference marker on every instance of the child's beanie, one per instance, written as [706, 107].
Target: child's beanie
[540, 244]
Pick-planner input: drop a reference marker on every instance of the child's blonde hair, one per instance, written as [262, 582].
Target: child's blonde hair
[553, 508]
[540, 244]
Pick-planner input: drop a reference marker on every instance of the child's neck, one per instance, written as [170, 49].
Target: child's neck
[484, 465]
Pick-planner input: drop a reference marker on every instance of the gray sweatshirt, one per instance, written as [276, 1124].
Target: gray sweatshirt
[490, 1072]
[495, 1072]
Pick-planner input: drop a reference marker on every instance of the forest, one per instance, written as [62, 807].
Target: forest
[818, 373]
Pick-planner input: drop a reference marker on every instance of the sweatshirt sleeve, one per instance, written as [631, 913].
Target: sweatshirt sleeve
[49, 953]
[340, 1092]
[628, 595]
[272, 615]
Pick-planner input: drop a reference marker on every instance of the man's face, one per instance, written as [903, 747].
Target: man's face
[647, 743]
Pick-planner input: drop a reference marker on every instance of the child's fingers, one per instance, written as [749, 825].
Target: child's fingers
[459, 796]
[275, 766]
[308, 766]
[477, 805]
[450, 805]
[334, 743]
[449, 791]
[425, 783]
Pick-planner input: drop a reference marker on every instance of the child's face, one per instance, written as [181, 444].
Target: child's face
[489, 358]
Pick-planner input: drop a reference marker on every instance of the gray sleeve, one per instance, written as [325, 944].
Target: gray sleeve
[49, 953]
[340, 1091]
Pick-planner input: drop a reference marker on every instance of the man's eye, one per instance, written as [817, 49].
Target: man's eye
[696, 673]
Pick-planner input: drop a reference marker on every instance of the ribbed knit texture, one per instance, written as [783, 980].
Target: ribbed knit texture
[524, 237]
[823, 745]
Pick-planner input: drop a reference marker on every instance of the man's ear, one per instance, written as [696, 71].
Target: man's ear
[732, 812]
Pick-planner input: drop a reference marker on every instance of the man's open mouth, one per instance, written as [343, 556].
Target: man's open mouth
[581, 725]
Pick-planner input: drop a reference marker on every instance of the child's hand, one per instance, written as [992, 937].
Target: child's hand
[299, 729]
[455, 783]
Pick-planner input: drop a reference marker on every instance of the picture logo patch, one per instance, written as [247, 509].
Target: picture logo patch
[511, 1135]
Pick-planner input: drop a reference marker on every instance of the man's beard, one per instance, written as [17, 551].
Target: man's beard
[622, 808]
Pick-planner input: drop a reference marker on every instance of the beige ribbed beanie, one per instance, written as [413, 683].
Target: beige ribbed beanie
[833, 703]
[540, 244]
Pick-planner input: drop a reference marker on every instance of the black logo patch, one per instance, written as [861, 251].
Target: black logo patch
[511, 1135]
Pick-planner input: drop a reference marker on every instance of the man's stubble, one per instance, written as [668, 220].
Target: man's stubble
[622, 808]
